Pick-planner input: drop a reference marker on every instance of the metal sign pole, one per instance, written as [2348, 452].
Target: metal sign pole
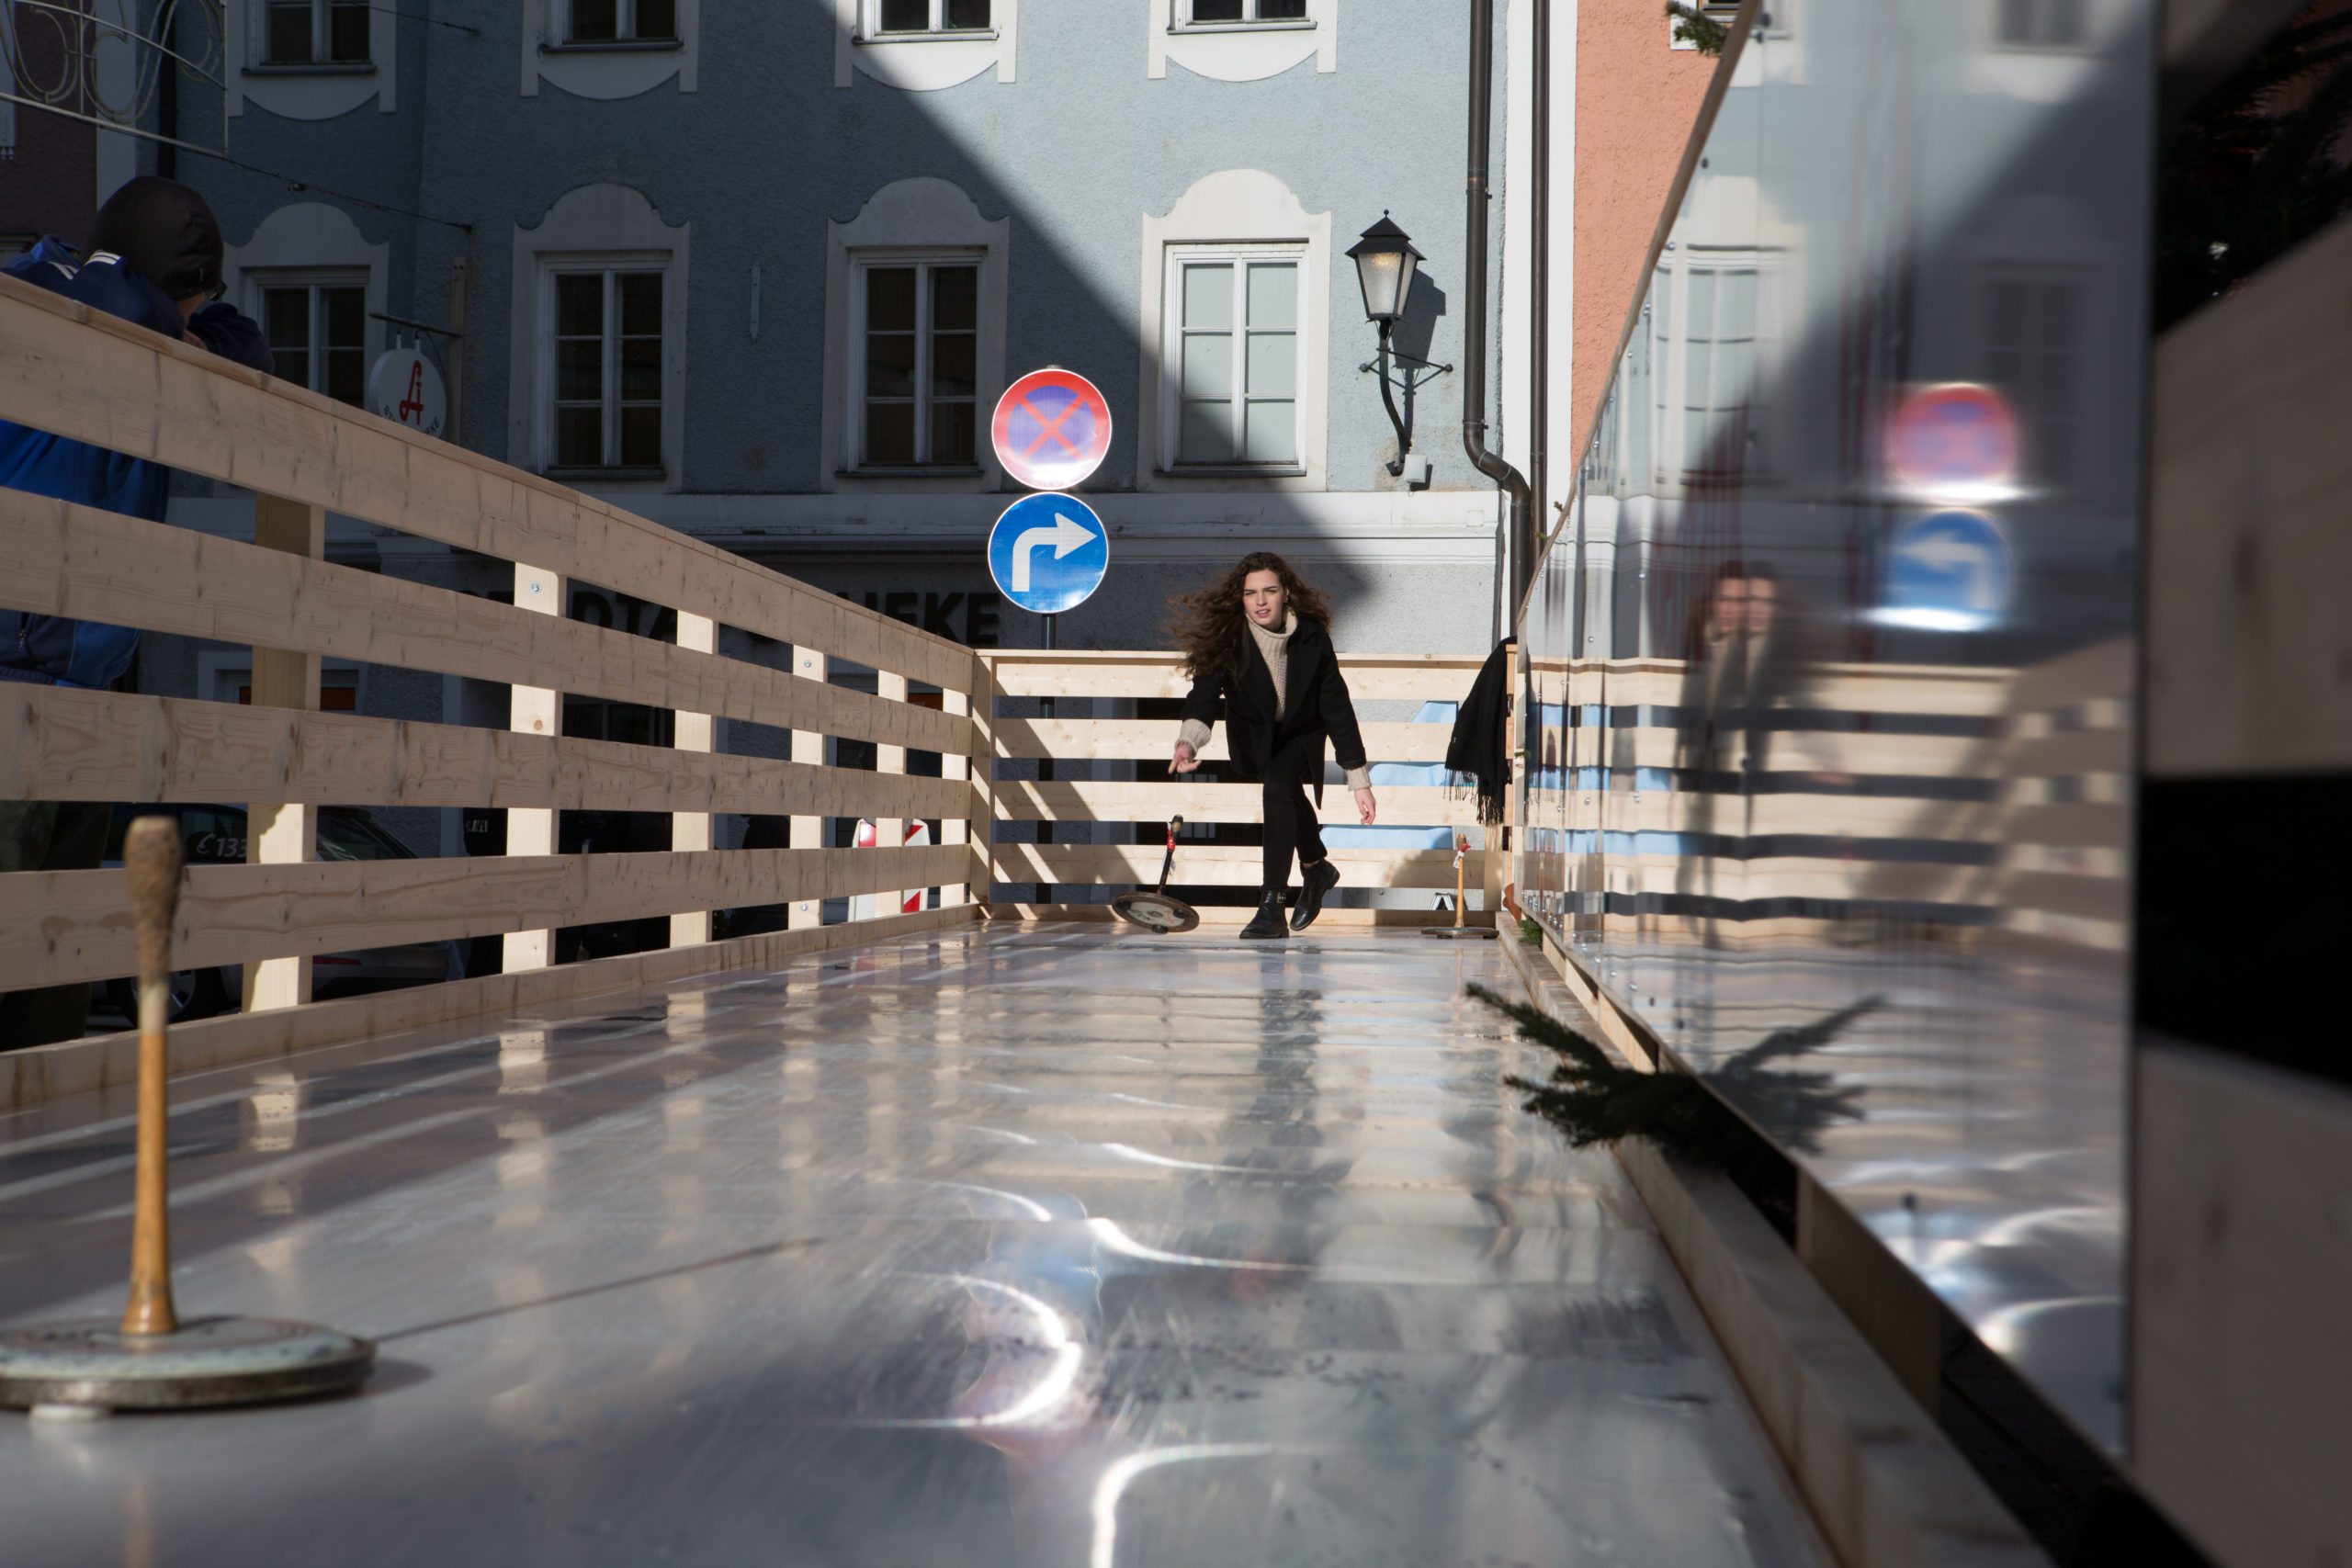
[1045, 764]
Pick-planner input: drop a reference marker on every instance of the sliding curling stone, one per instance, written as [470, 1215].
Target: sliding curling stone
[152, 1360]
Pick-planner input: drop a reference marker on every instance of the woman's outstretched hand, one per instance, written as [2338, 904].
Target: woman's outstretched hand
[1186, 759]
[1366, 808]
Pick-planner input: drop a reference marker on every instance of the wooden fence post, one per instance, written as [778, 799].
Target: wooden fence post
[693, 732]
[890, 832]
[808, 746]
[534, 710]
[279, 834]
[954, 830]
[982, 810]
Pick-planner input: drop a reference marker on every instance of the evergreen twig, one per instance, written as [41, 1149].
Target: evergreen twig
[1695, 27]
[1592, 1099]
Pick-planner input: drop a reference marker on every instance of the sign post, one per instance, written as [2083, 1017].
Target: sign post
[1047, 553]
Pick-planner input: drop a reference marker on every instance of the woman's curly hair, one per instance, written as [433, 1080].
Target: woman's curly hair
[1206, 626]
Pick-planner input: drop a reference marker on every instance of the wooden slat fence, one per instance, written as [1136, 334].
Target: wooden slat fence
[95, 378]
[98, 379]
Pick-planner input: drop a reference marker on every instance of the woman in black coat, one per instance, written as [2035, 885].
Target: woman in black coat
[1257, 644]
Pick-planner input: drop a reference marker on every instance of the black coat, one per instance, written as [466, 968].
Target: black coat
[1314, 705]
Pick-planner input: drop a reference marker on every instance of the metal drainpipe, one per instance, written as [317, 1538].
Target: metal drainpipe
[1474, 330]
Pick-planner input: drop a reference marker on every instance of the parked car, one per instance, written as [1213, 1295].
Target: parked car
[215, 835]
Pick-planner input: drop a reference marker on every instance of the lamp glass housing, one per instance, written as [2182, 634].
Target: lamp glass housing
[1385, 261]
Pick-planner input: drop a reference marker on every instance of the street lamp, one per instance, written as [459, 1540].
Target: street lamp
[1385, 262]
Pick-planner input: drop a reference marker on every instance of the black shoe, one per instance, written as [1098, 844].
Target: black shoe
[1314, 882]
[1267, 923]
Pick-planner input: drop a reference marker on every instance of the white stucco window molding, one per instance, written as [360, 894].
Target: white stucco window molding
[1233, 208]
[596, 225]
[1243, 51]
[606, 71]
[921, 62]
[306, 92]
[922, 217]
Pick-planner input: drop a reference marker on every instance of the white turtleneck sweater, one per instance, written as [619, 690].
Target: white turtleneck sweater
[1275, 648]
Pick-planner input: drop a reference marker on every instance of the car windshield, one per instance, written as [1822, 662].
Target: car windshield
[356, 837]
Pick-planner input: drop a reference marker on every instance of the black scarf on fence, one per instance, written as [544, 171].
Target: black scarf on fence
[1480, 746]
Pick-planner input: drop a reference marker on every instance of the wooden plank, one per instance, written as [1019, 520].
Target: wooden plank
[105, 1061]
[1371, 677]
[60, 558]
[1214, 917]
[1219, 863]
[62, 926]
[2248, 557]
[60, 743]
[1026, 800]
[1155, 738]
[100, 379]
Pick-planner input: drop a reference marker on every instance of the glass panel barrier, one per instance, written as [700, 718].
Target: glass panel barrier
[1829, 671]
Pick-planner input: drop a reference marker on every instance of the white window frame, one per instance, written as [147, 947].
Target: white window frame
[869, 23]
[1670, 413]
[310, 242]
[921, 218]
[862, 263]
[257, 279]
[322, 90]
[595, 226]
[558, 264]
[320, 22]
[559, 29]
[1231, 210]
[1180, 18]
[1239, 257]
[1246, 50]
[606, 72]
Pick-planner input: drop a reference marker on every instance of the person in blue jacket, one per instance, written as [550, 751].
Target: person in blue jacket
[154, 259]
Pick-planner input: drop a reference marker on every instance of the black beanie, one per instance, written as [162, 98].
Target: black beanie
[164, 231]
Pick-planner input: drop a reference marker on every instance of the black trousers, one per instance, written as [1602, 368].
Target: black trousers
[50, 835]
[1292, 826]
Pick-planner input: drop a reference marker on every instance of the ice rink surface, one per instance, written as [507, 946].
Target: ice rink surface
[1066, 1248]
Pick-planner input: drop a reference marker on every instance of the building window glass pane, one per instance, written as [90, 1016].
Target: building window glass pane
[640, 358]
[919, 401]
[967, 13]
[347, 32]
[1238, 366]
[595, 21]
[579, 370]
[1217, 10]
[906, 15]
[657, 19]
[1281, 10]
[891, 299]
[1205, 431]
[1270, 425]
[343, 315]
[954, 362]
[289, 32]
[286, 323]
[2030, 354]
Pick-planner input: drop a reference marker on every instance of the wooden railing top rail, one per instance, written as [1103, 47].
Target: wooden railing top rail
[1151, 672]
[92, 377]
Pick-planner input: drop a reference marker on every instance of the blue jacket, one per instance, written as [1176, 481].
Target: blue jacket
[50, 649]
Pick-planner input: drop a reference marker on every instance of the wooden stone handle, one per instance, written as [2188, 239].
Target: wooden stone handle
[151, 857]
